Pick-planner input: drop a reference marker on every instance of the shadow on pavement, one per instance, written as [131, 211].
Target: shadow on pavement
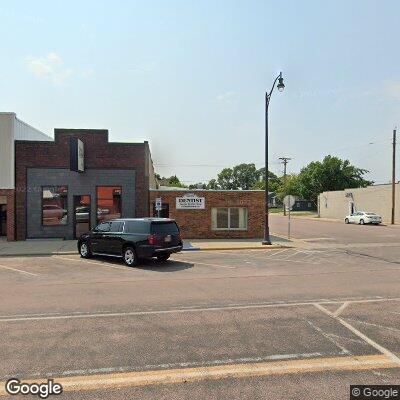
[167, 266]
[149, 264]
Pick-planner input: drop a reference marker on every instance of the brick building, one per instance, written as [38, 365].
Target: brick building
[213, 214]
[63, 187]
[68, 185]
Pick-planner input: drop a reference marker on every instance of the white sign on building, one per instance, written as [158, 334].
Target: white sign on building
[158, 204]
[190, 202]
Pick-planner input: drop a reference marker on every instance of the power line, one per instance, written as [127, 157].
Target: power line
[206, 165]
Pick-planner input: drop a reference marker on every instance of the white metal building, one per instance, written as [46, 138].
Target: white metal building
[11, 129]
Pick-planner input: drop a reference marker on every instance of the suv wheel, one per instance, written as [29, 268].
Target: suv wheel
[84, 250]
[163, 257]
[362, 222]
[346, 221]
[129, 256]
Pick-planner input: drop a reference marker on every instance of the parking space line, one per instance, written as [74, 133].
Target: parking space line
[91, 262]
[106, 314]
[276, 253]
[18, 270]
[341, 309]
[361, 335]
[207, 264]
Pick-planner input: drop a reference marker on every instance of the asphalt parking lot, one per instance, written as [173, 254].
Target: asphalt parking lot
[217, 324]
[323, 233]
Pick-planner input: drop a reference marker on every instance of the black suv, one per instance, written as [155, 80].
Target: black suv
[132, 239]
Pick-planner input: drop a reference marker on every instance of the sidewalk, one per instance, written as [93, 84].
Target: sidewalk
[44, 247]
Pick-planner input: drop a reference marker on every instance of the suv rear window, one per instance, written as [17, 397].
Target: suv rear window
[164, 228]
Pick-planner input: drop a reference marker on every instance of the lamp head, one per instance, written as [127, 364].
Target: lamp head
[280, 85]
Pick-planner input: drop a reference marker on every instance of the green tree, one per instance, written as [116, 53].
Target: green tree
[199, 185]
[330, 174]
[225, 179]
[274, 182]
[245, 176]
[171, 181]
[289, 186]
[212, 184]
[240, 177]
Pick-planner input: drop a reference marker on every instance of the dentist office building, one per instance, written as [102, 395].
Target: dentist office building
[64, 186]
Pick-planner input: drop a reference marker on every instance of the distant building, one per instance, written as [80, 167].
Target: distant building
[377, 199]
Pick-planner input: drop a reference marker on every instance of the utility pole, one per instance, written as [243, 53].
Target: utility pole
[285, 160]
[393, 176]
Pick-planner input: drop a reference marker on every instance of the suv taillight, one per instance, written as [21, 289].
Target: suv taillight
[151, 239]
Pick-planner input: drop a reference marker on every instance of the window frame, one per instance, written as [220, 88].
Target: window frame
[101, 223]
[41, 205]
[97, 199]
[229, 220]
[122, 225]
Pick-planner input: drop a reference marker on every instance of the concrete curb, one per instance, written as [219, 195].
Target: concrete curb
[65, 253]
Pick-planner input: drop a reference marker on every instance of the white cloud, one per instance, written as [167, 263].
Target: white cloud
[227, 97]
[50, 67]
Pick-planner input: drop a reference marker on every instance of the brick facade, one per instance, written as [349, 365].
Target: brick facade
[99, 154]
[10, 196]
[196, 224]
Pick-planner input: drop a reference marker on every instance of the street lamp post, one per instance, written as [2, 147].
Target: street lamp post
[280, 87]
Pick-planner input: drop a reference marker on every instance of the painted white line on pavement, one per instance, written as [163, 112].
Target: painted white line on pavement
[276, 253]
[208, 264]
[189, 310]
[18, 270]
[341, 309]
[389, 328]
[105, 265]
[361, 335]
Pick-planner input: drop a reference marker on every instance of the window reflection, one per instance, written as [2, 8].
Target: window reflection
[54, 205]
[108, 202]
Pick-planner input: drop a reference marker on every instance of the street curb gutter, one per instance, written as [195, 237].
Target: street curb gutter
[65, 253]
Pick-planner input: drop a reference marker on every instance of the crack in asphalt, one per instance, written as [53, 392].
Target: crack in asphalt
[354, 253]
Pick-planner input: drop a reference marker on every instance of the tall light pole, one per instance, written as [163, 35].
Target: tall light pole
[280, 87]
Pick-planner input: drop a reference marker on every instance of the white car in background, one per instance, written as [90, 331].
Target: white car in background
[362, 217]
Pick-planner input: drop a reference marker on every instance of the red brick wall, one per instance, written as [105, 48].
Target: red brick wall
[196, 224]
[9, 193]
[99, 153]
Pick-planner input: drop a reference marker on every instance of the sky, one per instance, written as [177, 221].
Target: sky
[190, 77]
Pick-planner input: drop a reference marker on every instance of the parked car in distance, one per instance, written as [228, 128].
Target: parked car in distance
[362, 217]
[53, 214]
[132, 239]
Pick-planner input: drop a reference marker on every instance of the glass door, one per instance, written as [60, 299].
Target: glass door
[82, 207]
[3, 219]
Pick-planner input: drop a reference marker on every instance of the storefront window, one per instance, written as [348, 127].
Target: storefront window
[229, 218]
[54, 205]
[108, 203]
